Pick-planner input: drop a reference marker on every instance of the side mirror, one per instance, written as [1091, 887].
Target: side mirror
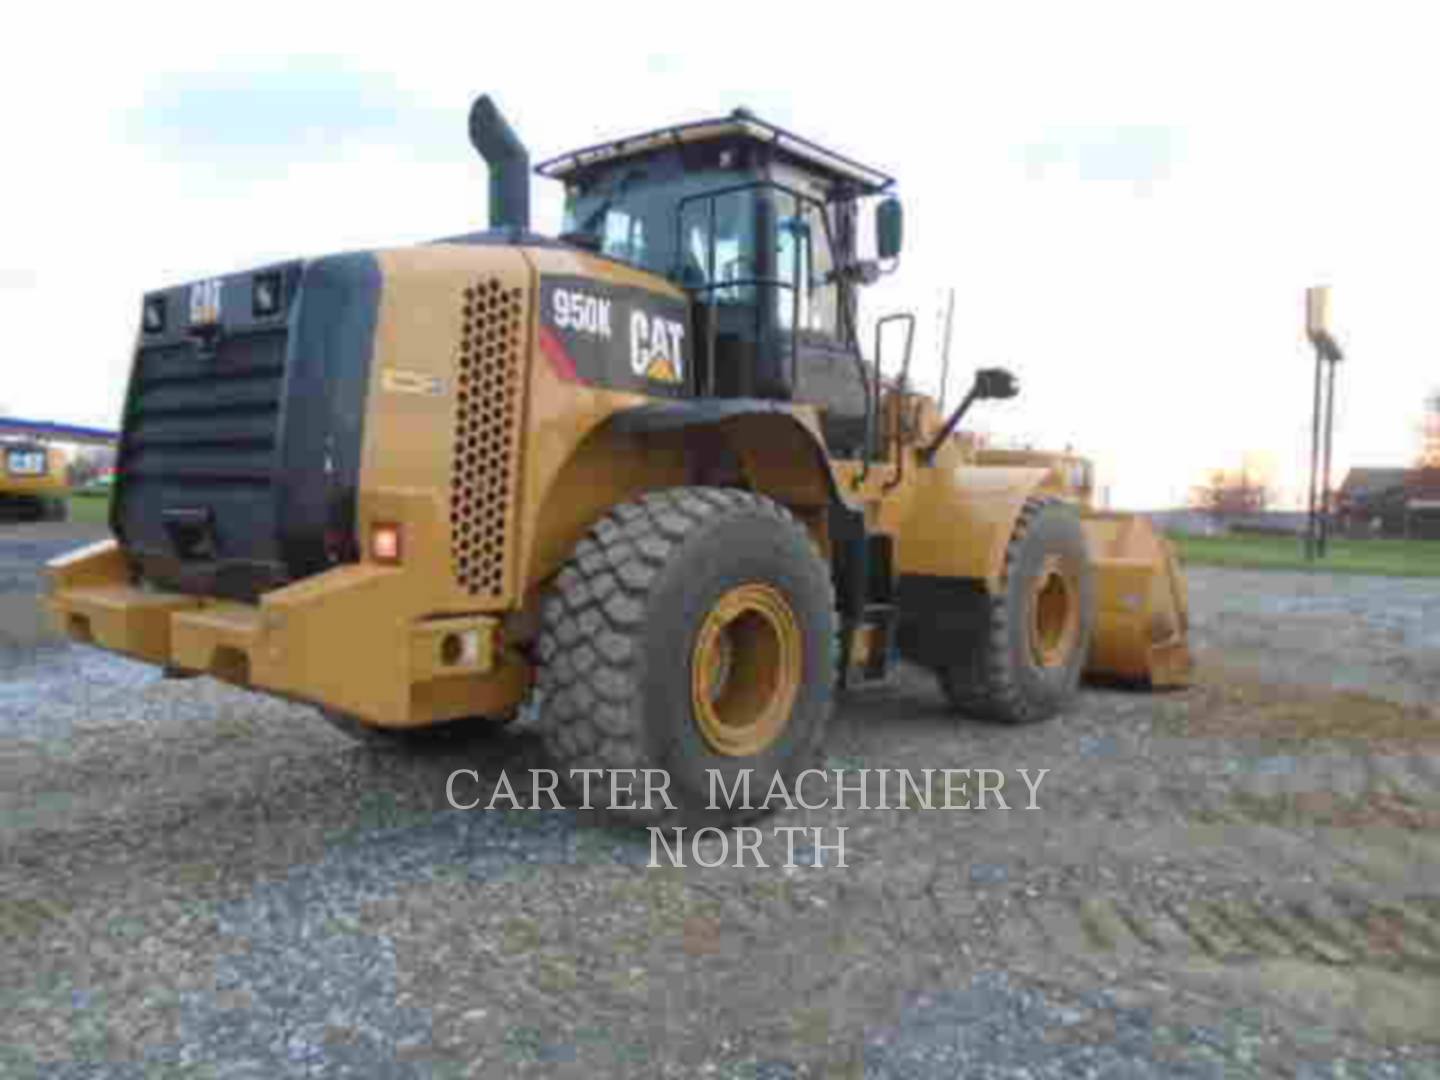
[990, 383]
[889, 228]
[995, 383]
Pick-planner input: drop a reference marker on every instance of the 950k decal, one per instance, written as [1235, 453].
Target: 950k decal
[614, 336]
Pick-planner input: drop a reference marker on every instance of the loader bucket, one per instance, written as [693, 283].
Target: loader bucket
[1142, 613]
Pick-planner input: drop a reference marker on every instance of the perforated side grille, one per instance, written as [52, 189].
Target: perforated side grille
[487, 437]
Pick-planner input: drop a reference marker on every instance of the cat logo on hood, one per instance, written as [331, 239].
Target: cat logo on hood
[657, 348]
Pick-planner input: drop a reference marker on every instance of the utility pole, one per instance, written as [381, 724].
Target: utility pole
[1322, 421]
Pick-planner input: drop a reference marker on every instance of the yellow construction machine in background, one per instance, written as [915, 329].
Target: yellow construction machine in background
[33, 481]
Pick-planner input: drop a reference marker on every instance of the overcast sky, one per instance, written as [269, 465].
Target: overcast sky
[1128, 198]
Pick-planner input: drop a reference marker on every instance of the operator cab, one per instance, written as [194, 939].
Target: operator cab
[759, 226]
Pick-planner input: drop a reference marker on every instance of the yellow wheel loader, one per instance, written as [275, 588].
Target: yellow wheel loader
[636, 483]
[33, 483]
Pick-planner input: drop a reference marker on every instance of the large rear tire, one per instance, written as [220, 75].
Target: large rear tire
[691, 632]
[1021, 657]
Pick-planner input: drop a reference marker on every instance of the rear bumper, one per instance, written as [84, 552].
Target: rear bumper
[341, 640]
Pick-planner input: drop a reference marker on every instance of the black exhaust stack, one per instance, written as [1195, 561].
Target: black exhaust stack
[509, 163]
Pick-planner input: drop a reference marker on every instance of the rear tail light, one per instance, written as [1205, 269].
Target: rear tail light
[386, 542]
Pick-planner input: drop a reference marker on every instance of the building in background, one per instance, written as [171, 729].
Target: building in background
[1393, 502]
[1422, 503]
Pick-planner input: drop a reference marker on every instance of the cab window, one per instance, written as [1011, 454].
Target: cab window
[804, 260]
[623, 236]
[717, 246]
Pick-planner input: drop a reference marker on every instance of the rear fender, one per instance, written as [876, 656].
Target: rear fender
[660, 445]
[778, 450]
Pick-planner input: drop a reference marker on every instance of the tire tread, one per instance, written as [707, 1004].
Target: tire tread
[983, 682]
[586, 719]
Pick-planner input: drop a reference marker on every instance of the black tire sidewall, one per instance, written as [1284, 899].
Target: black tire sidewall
[748, 546]
[1055, 531]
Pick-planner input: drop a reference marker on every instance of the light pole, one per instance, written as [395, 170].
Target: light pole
[1322, 421]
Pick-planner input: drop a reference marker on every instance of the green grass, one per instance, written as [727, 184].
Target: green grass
[1393, 558]
[91, 509]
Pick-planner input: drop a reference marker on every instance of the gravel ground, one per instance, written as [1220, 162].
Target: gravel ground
[1238, 879]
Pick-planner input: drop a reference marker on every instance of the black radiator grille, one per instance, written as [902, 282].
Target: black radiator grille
[199, 420]
[202, 432]
[239, 456]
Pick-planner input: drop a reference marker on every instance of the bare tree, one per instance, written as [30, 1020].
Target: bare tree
[1430, 433]
[1232, 492]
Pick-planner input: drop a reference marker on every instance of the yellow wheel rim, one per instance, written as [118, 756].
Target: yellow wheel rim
[745, 670]
[1054, 615]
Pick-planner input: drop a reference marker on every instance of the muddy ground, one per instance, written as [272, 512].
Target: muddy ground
[1238, 879]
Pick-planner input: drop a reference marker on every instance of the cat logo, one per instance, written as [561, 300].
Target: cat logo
[657, 348]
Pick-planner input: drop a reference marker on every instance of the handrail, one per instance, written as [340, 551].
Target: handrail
[909, 319]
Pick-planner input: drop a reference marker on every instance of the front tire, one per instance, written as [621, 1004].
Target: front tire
[691, 632]
[1020, 659]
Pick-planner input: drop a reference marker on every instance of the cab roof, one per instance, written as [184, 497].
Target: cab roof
[740, 124]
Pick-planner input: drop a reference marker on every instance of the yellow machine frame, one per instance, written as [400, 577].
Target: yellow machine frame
[483, 466]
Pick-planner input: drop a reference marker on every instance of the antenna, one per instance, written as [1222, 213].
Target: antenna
[945, 351]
